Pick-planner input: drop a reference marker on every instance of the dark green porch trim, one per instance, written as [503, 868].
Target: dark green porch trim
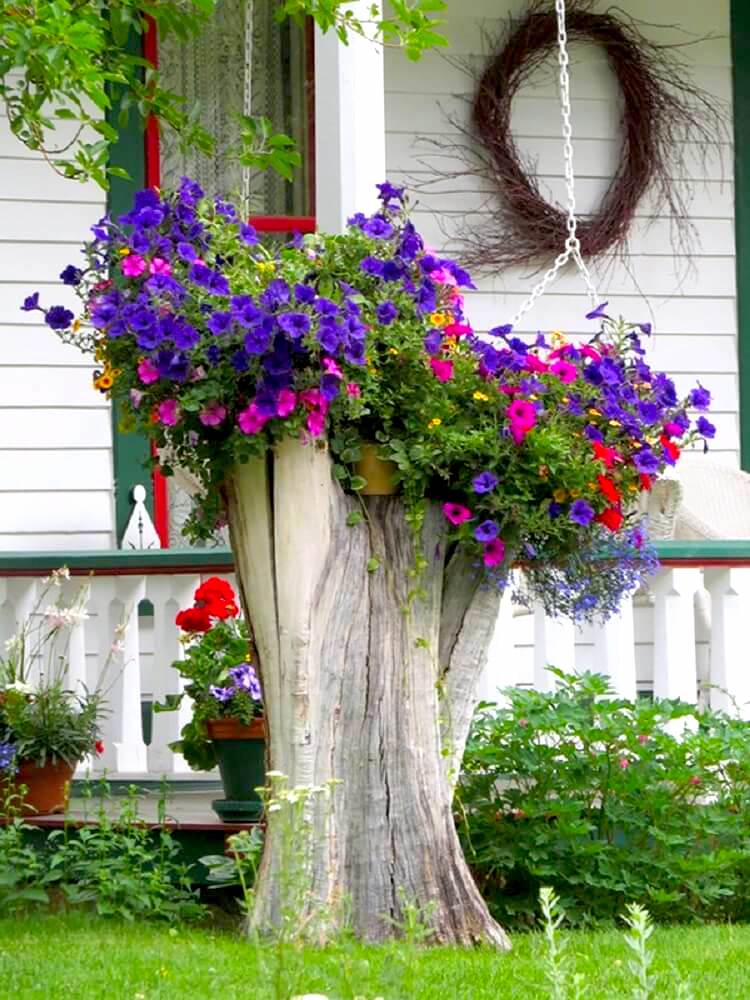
[740, 22]
[220, 560]
[130, 451]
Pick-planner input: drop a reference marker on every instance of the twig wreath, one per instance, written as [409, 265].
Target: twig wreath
[663, 110]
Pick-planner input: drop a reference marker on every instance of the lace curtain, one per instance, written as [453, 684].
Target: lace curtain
[242, 62]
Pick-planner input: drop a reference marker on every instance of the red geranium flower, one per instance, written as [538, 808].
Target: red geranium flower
[214, 589]
[194, 620]
[99, 746]
[609, 489]
[611, 518]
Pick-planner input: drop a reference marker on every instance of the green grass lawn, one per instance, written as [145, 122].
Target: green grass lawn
[78, 956]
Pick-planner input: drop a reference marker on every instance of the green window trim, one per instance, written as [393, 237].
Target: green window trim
[740, 31]
[130, 452]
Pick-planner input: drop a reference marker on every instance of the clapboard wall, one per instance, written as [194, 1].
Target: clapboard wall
[691, 302]
[56, 479]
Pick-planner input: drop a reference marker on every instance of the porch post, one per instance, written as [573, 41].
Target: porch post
[349, 124]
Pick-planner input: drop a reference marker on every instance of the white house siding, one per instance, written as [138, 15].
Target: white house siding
[56, 479]
[690, 302]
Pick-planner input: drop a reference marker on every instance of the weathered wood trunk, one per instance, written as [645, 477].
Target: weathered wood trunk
[364, 685]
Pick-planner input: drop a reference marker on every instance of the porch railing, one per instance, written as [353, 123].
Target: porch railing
[685, 636]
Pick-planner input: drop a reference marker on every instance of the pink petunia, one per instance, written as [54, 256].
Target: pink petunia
[534, 364]
[286, 402]
[168, 412]
[591, 353]
[133, 265]
[565, 371]
[353, 390]
[250, 420]
[147, 372]
[442, 370]
[442, 277]
[316, 423]
[673, 430]
[332, 368]
[456, 513]
[494, 552]
[160, 266]
[213, 415]
[522, 413]
[457, 329]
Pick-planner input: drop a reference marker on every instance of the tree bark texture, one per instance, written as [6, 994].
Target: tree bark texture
[363, 685]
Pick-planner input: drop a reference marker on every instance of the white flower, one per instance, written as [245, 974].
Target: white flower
[117, 648]
[58, 617]
[12, 645]
[21, 687]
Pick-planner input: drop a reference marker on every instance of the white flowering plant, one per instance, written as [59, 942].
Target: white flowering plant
[41, 718]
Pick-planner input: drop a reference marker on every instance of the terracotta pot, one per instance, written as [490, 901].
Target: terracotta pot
[233, 729]
[378, 473]
[48, 786]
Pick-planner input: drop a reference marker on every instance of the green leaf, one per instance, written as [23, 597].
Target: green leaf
[373, 564]
[358, 482]
[356, 517]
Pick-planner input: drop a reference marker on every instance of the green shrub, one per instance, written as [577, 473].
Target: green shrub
[608, 801]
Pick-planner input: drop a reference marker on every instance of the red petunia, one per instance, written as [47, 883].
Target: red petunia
[646, 481]
[611, 518]
[99, 747]
[608, 489]
[194, 620]
[607, 455]
[670, 447]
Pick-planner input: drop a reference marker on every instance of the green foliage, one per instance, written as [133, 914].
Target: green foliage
[608, 801]
[122, 867]
[69, 61]
[23, 873]
[53, 724]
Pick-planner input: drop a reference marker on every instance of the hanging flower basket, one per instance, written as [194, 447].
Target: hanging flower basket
[378, 472]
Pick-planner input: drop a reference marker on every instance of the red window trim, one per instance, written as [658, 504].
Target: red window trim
[263, 223]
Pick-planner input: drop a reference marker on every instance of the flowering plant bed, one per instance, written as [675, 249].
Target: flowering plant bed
[46, 727]
[218, 348]
[222, 685]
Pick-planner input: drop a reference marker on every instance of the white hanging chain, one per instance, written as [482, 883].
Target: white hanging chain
[247, 102]
[572, 248]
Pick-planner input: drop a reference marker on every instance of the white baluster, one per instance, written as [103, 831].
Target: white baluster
[168, 595]
[554, 646]
[730, 676]
[117, 600]
[675, 666]
[23, 596]
[614, 649]
[498, 672]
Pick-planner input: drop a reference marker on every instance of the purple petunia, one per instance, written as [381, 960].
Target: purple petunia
[432, 342]
[71, 275]
[705, 428]
[581, 512]
[58, 318]
[248, 234]
[386, 313]
[246, 679]
[378, 228]
[219, 323]
[599, 312]
[294, 324]
[487, 531]
[30, 303]
[485, 482]
[222, 694]
[700, 398]
[646, 461]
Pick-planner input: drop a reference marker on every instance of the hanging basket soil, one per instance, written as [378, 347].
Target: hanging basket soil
[378, 472]
[48, 786]
[241, 754]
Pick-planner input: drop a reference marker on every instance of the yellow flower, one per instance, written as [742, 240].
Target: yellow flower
[76, 325]
[481, 397]
[560, 496]
[633, 488]
[440, 318]
[103, 381]
[615, 423]
[575, 494]
[594, 413]
[123, 251]
[266, 266]
[392, 350]
[435, 422]
[558, 338]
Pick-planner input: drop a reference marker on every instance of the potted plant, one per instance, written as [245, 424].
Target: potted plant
[46, 728]
[227, 726]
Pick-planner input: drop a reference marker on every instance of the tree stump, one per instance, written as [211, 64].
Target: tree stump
[364, 685]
